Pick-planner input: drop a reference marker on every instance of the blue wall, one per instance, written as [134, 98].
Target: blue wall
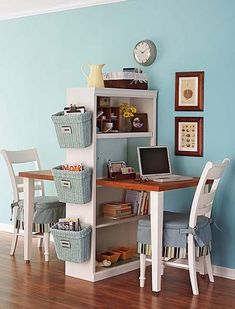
[41, 56]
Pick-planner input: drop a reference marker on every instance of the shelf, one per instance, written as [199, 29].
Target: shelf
[117, 268]
[123, 135]
[103, 222]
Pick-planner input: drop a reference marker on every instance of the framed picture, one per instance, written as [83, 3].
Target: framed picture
[189, 91]
[189, 136]
[115, 167]
[139, 122]
[103, 102]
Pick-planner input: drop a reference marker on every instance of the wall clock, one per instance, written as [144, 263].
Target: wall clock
[145, 52]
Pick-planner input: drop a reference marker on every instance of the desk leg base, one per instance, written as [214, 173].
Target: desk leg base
[156, 293]
[27, 261]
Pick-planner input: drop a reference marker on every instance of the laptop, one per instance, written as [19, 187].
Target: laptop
[154, 164]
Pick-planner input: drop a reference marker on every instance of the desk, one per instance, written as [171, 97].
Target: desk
[156, 190]
[29, 178]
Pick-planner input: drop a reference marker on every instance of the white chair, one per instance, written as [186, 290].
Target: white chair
[50, 205]
[192, 229]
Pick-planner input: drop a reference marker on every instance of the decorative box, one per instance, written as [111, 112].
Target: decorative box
[110, 256]
[126, 80]
[126, 252]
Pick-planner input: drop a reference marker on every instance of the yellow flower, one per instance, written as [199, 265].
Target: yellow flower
[127, 110]
[126, 114]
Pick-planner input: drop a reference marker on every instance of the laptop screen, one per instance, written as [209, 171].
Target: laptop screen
[153, 161]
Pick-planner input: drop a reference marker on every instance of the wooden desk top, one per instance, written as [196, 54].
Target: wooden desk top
[44, 175]
[133, 184]
[130, 184]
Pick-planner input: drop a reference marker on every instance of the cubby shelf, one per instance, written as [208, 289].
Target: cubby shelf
[102, 272]
[124, 135]
[103, 222]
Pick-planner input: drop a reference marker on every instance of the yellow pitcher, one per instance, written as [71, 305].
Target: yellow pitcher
[95, 79]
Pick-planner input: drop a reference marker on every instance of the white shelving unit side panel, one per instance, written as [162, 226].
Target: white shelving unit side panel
[87, 156]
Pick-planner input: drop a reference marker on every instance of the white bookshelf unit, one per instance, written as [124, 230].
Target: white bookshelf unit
[107, 234]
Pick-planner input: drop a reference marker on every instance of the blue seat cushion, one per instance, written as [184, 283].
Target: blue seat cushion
[176, 229]
[47, 210]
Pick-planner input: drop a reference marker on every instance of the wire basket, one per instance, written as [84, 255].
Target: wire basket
[72, 246]
[73, 130]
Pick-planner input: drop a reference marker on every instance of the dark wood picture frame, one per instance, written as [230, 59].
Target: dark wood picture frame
[189, 136]
[139, 122]
[189, 91]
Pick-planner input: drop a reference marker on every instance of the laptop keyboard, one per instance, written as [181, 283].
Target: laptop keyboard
[171, 178]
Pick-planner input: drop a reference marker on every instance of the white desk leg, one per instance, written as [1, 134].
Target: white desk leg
[156, 211]
[28, 217]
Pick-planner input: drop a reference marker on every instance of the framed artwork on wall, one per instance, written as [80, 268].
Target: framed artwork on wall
[189, 91]
[189, 136]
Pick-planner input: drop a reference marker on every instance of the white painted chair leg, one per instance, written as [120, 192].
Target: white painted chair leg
[142, 269]
[209, 267]
[15, 232]
[40, 242]
[46, 238]
[192, 264]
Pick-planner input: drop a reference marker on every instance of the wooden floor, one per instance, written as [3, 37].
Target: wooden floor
[43, 285]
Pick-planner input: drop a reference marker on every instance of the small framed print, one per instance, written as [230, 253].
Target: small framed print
[189, 91]
[115, 167]
[189, 136]
[139, 122]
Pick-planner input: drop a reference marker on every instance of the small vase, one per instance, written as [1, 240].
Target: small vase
[127, 126]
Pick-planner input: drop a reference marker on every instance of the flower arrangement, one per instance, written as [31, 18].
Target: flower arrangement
[127, 111]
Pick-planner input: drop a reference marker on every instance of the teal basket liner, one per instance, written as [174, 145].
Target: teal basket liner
[72, 186]
[72, 246]
[73, 130]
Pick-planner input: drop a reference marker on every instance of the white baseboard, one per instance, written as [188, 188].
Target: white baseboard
[228, 273]
[5, 227]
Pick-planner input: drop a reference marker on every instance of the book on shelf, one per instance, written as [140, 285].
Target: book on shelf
[131, 196]
[139, 201]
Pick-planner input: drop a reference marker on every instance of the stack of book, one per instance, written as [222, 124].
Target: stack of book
[117, 210]
[139, 201]
[69, 224]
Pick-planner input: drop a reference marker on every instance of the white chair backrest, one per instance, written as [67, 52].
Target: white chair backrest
[19, 157]
[203, 198]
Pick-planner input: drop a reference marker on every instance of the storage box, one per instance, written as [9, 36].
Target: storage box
[126, 80]
[73, 130]
[72, 186]
[72, 246]
[110, 256]
[125, 252]
[126, 84]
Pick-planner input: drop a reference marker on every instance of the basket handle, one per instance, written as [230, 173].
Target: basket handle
[65, 244]
[65, 183]
[66, 130]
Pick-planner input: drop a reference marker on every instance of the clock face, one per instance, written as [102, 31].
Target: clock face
[145, 52]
